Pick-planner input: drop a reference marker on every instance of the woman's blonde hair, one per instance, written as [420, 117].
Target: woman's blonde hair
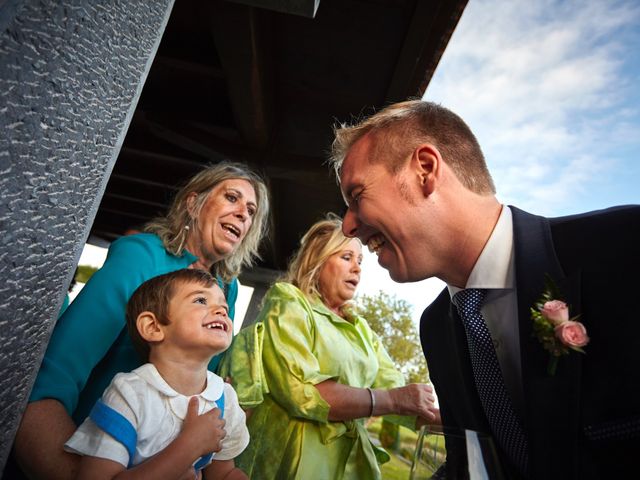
[322, 240]
[171, 227]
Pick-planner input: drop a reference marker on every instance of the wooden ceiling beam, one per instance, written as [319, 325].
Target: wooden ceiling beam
[243, 41]
[431, 28]
[304, 8]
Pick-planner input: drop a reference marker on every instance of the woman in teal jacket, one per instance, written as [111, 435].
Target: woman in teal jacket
[215, 223]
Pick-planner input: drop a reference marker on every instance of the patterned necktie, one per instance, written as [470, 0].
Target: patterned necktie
[488, 376]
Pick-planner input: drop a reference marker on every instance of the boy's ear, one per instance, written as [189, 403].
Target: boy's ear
[149, 327]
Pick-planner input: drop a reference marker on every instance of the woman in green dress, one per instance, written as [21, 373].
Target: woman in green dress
[312, 370]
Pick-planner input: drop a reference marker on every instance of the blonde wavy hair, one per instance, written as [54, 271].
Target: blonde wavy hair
[171, 227]
[322, 240]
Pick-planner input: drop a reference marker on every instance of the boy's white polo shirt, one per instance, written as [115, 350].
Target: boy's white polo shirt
[157, 411]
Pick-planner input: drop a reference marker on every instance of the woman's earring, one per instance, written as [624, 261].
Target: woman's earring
[185, 234]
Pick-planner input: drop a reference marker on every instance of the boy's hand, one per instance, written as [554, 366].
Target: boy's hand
[205, 432]
[190, 474]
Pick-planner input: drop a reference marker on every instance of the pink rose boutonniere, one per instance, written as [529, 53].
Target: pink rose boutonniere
[557, 333]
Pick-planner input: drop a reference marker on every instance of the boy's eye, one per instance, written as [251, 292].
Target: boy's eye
[201, 300]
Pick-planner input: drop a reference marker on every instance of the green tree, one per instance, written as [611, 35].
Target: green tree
[390, 318]
[84, 272]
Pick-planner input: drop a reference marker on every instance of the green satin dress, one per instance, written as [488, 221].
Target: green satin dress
[275, 365]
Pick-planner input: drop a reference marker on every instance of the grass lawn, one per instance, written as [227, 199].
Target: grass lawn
[396, 469]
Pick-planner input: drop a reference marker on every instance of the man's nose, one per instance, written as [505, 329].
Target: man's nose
[350, 224]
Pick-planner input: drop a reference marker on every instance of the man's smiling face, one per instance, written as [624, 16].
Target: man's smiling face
[382, 208]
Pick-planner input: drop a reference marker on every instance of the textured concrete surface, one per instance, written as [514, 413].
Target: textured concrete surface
[71, 73]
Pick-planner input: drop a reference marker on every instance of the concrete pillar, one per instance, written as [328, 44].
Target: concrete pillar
[71, 73]
[261, 280]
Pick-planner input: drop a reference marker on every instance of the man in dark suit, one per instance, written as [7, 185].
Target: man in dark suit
[561, 403]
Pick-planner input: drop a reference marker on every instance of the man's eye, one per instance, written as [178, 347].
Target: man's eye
[201, 300]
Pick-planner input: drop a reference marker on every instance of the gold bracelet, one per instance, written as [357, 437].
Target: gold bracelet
[373, 401]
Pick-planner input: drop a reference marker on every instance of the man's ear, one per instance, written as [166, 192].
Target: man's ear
[149, 327]
[428, 164]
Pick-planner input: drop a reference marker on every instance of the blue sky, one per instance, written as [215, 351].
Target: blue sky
[552, 91]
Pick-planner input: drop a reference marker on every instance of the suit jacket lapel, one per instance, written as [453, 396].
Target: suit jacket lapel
[549, 400]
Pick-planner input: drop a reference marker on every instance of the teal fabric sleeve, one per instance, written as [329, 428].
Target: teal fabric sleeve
[231, 292]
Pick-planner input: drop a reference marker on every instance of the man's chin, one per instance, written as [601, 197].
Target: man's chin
[396, 274]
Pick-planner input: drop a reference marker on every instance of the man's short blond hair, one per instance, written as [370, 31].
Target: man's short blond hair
[399, 128]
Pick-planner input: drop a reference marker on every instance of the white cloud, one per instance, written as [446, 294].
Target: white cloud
[543, 85]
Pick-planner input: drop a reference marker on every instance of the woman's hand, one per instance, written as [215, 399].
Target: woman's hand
[205, 432]
[414, 399]
[420, 421]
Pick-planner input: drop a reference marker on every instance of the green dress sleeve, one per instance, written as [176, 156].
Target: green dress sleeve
[290, 366]
[243, 364]
[388, 375]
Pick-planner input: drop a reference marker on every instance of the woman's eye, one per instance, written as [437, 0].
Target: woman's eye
[231, 198]
[252, 212]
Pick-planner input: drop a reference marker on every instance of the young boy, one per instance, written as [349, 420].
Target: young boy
[164, 419]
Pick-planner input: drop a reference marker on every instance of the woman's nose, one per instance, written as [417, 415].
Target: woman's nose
[242, 212]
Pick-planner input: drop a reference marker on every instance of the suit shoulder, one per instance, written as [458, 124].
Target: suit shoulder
[606, 236]
[440, 306]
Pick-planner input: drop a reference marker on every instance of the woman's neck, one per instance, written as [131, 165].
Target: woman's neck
[202, 263]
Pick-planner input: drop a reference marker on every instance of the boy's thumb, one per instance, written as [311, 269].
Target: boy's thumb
[192, 408]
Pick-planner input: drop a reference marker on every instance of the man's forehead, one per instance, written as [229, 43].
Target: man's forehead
[356, 159]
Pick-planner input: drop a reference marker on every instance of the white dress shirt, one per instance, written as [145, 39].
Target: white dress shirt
[495, 271]
[157, 412]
